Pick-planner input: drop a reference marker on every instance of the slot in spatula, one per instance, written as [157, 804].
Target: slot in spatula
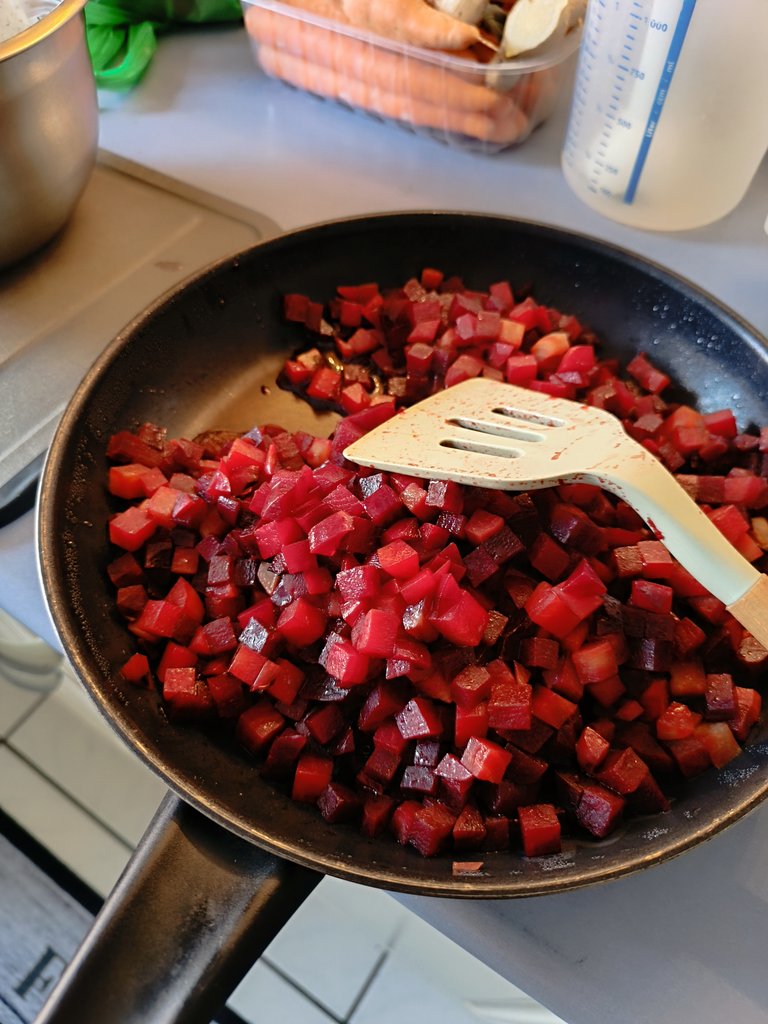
[489, 434]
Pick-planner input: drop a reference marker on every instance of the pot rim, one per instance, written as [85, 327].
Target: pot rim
[63, 12]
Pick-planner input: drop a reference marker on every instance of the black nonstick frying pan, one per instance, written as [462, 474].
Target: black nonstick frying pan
[228, 857]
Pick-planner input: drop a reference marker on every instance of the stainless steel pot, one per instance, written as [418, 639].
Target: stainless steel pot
[48, 129]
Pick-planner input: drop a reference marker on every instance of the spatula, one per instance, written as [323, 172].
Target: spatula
[490, 434]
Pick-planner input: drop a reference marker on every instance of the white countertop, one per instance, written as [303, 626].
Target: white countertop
[681, 942]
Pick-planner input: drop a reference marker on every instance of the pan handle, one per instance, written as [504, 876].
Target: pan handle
[193, 910]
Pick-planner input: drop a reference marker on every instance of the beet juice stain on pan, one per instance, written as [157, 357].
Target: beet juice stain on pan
[207, 891]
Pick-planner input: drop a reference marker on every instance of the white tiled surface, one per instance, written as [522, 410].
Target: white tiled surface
[350, 955]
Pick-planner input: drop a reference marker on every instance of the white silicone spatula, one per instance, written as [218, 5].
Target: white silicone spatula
[490, 434]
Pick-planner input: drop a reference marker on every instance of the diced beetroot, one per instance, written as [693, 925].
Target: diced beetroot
[622, 771]
[430, 828]
[258, 726]
[313, 773]
[719, 741]
[540, 830]
[419, 718]
[748, 704]
[131, 528]
[136, 670]
[690, 755]
[301, 622]
[687, 679]
[599, 810]
[471, 685]
[469, 829]
[339, 802]
[676, 722]
[591, 749]
[485, 759]
[283, 754]
[227, 694]
[377, 811]
[347, 665]
[470, 722]
[595, 661]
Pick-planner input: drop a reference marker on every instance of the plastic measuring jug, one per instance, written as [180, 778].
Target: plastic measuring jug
[669, 117]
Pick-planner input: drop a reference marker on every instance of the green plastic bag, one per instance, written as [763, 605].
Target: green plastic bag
[122, 37]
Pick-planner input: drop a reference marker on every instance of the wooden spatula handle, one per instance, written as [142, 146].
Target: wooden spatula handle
[751, 610]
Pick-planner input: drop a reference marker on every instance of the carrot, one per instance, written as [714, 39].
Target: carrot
[506, 126]
[412, 21]
[356, 58]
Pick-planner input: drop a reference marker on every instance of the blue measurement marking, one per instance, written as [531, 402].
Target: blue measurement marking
[662, 90]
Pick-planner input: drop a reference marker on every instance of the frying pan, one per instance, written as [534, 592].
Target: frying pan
[228, 857]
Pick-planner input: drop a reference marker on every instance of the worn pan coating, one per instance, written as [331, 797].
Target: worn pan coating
[206, 356]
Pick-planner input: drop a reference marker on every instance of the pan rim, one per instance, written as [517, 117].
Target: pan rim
[194, 793]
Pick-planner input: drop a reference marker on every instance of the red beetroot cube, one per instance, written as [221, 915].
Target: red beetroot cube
[454, 781]
[186, 695]
[313, 774]
[622, 771]
[383, 506]
[348, 666]
[470, 722]
[359, 582]
[326, 536]
[375, 632]
[227, 694]
[469, 829]
[549, 707]
[690, 755]
[377, 811]
[719, 697]
[510, 705]
[402, 819]
[283, 754]
[136, 670]
[430, 828]
[419, 778]
[339, 802]
[324, 723]
[471, 685]
[653, 597]
[539, 830]
[462, 622]
[591, 749]
[301, 622]
[496, 832]
[379, 769]
[676, 722]
[687, 679]
[419, 718]
[398, 559]
[599, 810]
[445, 495]
[748, 704]
[719, 742]
[384, 701]
[258, 726]
[595, 661]
[485, 759]
[547, 609]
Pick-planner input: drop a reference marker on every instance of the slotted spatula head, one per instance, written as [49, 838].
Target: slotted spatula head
[490, 434]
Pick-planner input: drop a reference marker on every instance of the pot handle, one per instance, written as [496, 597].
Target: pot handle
[193, 910]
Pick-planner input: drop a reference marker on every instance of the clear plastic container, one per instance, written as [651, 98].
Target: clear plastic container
[451, 97]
